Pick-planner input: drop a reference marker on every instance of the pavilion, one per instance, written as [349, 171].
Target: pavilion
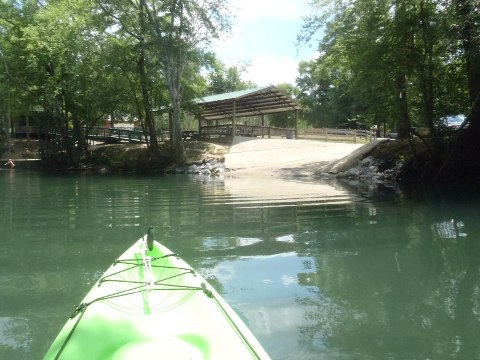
[244, 103]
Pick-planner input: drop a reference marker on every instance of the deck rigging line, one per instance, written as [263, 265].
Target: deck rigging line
[150, 285]
[81, 308]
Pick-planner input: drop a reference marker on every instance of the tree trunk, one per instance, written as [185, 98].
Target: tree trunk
[462, 162]
[79, 134]
[174, 87]
[63, 126]
[149, 120]
[174, 64]
[426, 67]
[112, 119]
[404, 38]
[179, 149]
[468, 17]
[404, 119]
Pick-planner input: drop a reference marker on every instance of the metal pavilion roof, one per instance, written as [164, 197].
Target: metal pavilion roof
[250, 102]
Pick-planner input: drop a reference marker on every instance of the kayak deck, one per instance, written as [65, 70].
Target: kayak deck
[150, 304]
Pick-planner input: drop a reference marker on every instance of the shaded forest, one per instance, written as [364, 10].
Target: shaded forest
[400, 65]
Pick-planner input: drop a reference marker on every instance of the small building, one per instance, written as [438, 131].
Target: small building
[25, 125]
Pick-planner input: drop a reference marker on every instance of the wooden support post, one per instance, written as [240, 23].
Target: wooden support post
[170, 126]
[296, 124]
[27, 124]
[233, 119]
[263, 125]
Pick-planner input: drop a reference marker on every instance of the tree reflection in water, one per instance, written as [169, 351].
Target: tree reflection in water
[407, 287]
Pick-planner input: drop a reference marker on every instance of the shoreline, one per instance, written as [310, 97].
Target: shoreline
[245, 156]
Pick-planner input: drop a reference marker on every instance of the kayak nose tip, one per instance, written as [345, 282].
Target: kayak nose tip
[150, 238]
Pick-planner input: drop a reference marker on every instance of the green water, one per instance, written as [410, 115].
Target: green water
[315, 272]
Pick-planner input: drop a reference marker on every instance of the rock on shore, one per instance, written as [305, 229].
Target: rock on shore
[378, 163]
[210, 167]
[374, 171]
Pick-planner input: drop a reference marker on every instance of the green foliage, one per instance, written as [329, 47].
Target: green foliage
[286, 119]
[222, 79]
[81, 61]
[175, 33]
[367, 46]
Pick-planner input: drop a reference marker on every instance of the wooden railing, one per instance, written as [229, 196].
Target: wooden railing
[246, 130]
[343, 135]
[323, 134]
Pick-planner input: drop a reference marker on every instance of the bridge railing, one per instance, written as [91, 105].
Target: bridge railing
[127, 134]
[106, 134]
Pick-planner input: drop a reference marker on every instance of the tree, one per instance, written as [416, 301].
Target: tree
[70, 63]
[314, 92]
[69, 54]
[412, 62]
[463, 159]
[58, 55]
[222, 79]
[353, 72]
[468, 20]
[403, 43]
[12, 88]
[171, 35]
[285, 119]
[130, 41]
[184, 28]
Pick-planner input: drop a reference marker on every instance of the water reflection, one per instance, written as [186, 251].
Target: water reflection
[260, 288]
[449, 229]
[382, 295]
[15, 334]
[315, 271]
[271, 192]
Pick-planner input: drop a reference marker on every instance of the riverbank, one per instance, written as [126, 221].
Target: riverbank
[372, 166]
[378, 161]
[376, 164]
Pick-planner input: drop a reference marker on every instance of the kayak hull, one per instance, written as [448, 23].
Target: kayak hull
[150, 304]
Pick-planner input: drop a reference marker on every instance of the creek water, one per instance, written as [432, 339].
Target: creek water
[316, 271]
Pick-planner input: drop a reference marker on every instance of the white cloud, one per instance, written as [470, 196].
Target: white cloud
[269, 70]
[264, 36]
[256, 9]
[288, 280]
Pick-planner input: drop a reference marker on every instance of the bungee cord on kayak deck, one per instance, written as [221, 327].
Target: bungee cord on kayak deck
[142, 271]
[134, 263]
[144, 284]
[147, 263]
[81, 308]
